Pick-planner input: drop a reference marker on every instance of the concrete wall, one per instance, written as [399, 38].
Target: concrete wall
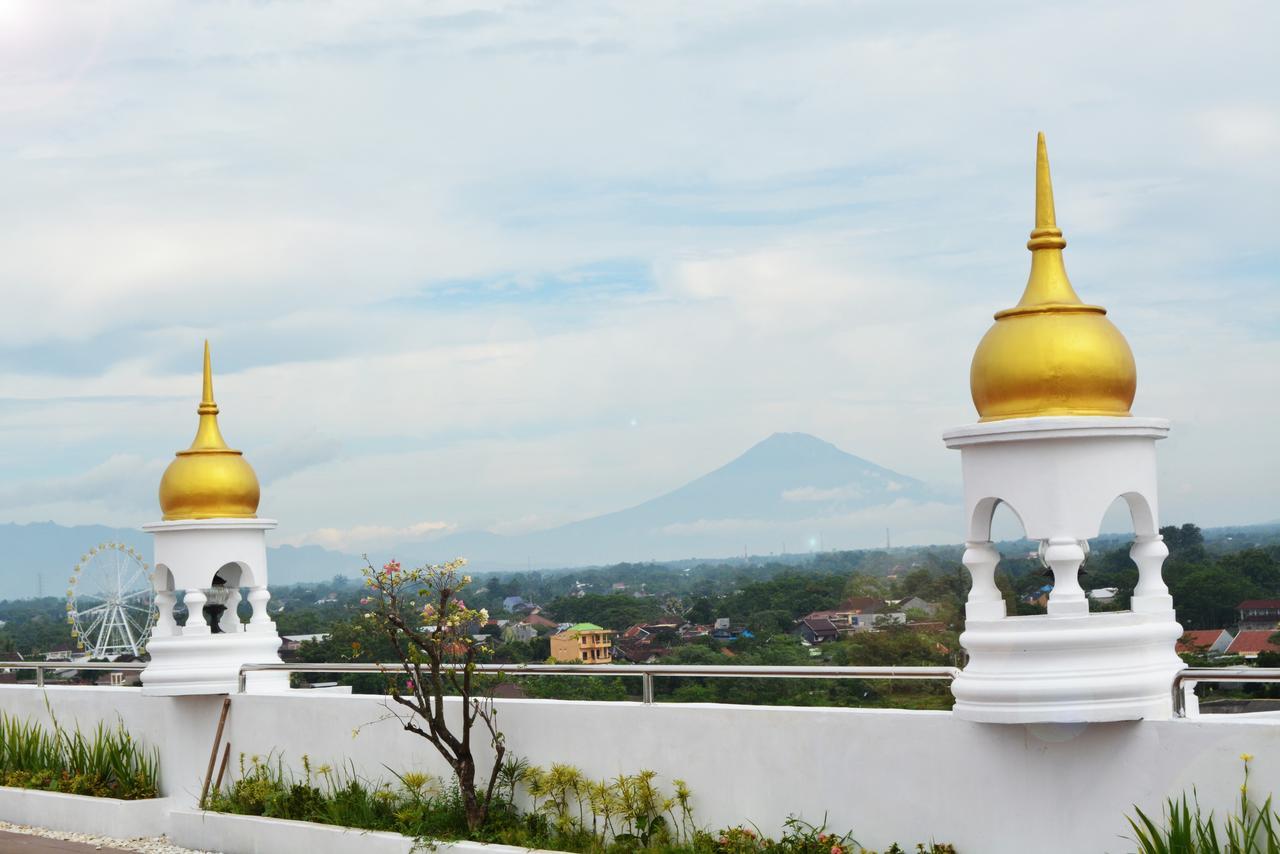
[887, 775]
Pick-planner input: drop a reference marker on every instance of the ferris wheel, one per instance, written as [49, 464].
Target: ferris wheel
[110, 602]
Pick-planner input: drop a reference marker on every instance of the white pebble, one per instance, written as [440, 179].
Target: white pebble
[142, 844]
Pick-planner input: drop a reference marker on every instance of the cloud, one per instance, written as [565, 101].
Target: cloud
[116, 489]
[612, 250]
[813, 493]
[910, 521]
[368, 536]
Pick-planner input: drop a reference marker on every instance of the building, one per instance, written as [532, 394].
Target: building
[521, 632]
[861, 613]
[1258, 614]
[290, 644]
[915, 603]
[816, 630]
[584, 643]
[1250, 644]
[1205, 641]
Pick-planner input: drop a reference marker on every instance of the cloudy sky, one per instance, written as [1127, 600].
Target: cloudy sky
[505, 265]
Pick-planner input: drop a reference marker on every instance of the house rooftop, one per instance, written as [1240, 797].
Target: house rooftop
[1253, 642]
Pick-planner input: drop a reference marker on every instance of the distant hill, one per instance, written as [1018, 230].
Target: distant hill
[792, 491]
[38, 557]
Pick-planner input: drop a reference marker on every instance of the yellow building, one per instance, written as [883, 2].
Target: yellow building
[585, 643]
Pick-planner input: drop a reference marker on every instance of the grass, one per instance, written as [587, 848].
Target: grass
[569, 811]
[1184, 828]
[105, 763]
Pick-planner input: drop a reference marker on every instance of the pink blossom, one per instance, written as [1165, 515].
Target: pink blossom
[364, 601]
[408, 684]
[836, 849]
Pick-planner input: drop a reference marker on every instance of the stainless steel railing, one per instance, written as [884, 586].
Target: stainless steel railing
[1187, 679]
[645, 672]
[41, 666]
[1183, 683]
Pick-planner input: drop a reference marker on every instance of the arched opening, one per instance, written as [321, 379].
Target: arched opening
[225, 595]
[1113, 570]
[166, 603]
[995, 572]
[1108, 574]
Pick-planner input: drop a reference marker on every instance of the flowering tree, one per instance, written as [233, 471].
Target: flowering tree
[430, 628]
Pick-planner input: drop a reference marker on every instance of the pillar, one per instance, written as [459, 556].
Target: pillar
[1064, 556]
[985, 601]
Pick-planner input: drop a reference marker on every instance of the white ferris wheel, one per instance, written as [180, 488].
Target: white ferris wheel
[110, 603]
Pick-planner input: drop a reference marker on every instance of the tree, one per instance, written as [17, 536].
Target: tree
[426, 623]
[1186, 541]
[701, 612]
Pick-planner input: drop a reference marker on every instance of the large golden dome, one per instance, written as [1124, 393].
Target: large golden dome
[1051, 354]
[209, 480]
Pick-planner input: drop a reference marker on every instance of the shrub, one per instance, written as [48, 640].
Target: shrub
[105, 763]
[571, 812]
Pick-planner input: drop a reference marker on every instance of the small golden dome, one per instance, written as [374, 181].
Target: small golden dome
[209, 480]
[1051, 354]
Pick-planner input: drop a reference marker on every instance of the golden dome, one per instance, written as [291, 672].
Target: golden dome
[209, 480]
[1051, 354]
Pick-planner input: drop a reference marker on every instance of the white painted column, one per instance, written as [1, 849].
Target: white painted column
[985, 601]
[165, 626]
[1064, 556]
[195, 600]
[260, 622]
[1150, 595]
[230, 621]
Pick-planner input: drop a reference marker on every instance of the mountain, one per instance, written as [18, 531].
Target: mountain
[792, 491]
[37, 558]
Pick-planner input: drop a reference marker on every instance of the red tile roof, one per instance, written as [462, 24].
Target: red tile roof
[1198, 639]
[1259, 604]
[1253, 642]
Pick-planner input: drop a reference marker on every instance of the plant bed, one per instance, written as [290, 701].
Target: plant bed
[84, 813]
[248, 834]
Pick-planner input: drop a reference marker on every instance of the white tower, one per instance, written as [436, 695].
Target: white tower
[210, 546]
[1053, 381]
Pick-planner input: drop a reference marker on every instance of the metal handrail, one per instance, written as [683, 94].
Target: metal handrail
[1188, 677]
[646, 672]
[1185, 679]
[41, 666]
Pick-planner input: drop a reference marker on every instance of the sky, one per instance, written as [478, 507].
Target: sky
[501, 265]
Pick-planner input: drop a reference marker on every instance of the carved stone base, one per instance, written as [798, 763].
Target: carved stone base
[210, 664]
[1088, 668]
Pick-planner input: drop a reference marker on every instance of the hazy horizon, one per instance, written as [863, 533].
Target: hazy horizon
[499, 267]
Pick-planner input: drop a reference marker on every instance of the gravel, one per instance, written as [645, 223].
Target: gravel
[142, 844]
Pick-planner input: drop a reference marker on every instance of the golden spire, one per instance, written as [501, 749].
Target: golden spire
[1048, 283]
[208, 480]
[1051, 354]
[208, 436]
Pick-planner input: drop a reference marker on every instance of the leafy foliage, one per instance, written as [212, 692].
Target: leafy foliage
[1185, 829]
[106, 763]
[431, 633]
[568, 811]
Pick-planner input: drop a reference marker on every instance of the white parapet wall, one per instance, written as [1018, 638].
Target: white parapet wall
[887, 775]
